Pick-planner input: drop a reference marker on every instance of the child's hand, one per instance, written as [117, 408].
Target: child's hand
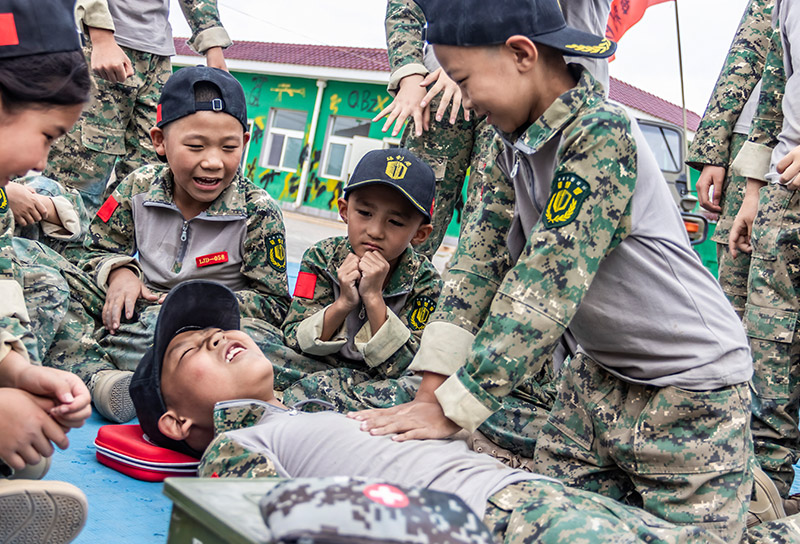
[451, 93]
[712, 177]
[349, 278]
[374, 268]
[108, 61]
[124, 289]
[70, 397]
[28, 206]
[26, 429]
[788, 167]
[406, 104]
[742, 229]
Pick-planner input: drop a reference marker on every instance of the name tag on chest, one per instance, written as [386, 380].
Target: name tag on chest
[212, 259]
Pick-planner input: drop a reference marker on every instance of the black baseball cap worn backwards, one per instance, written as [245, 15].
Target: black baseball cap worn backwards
[32, 27]
[482, 22]
[192, 305]
[400, 169]
[177, 97]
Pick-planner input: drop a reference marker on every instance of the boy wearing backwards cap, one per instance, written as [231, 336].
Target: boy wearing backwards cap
[199, 358]
[196, 217]
[601, 248]
[361, 302]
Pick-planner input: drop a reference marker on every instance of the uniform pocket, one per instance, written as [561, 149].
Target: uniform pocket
[692, 432]
[103, 139]
[772, 205]
[771, 332]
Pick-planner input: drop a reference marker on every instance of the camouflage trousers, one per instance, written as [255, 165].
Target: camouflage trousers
[451, 151]
[732, 271]
[536, 511]
[634, 443]
[61, 325]
[113, 134]
[770, 320]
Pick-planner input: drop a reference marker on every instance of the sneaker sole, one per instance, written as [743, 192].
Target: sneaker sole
[36, 512]
[120, 407]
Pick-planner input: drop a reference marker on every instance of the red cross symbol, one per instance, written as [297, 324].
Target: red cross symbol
[387, 495]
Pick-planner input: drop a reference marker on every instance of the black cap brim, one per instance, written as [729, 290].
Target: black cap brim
[197, 304]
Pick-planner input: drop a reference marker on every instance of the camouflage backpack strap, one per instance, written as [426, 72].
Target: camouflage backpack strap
[346, 510]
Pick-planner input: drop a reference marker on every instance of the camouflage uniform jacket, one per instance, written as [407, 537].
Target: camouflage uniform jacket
[410, 298]
[740, 74]
[202, 16]
[239, 241]
[754, 157]
[408, 54]
[14, 318]
[607, 255]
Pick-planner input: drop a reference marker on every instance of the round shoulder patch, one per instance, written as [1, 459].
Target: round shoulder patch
[276, 246]
[3, 201]
[421, 310]
[567, 193]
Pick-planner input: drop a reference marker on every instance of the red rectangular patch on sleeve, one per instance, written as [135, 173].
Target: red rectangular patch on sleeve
[8, 30]
[107, 209]
[306, 283]
[212, 258]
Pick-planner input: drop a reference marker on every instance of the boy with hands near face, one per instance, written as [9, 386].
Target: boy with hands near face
[361, 302]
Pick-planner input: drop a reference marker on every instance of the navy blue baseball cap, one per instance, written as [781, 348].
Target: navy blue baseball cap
[32, 27]
[401, 169]
[191, 305]
[482, 22]
[177, 97]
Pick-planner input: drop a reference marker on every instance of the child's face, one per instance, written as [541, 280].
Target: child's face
[380, 219]
[207, 366]
[32, 131]
[490, 83]
[203, 151]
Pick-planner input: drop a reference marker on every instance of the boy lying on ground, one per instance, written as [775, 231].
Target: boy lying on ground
[203, 376]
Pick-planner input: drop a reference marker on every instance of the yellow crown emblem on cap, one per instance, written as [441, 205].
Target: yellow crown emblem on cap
[397, 167]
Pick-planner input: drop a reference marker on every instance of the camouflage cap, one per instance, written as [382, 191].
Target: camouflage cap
[478, 22]
[192, 305]
[345, 510]
[32, 27]
[400, 169]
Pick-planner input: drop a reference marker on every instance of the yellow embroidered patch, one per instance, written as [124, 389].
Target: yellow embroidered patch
[600, 48]
[396, 167]
[421, 312]
[3, 201]
[567, 193]
[277, 252]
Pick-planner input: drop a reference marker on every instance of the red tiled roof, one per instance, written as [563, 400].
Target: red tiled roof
[353, 58]
[636, 98]
[364, 58]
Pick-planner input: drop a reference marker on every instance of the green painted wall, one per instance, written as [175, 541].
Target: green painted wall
[263, 93]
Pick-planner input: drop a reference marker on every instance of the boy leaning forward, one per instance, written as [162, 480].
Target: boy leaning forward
[654, 409]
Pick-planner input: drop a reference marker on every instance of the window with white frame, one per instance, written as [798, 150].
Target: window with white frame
[338, 143]
[284, 142]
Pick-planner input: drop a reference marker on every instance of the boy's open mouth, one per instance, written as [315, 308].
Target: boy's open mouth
[233, 351]
[209, 182]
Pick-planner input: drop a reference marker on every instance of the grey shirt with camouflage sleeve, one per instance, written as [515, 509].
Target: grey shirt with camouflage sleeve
[607, 255]
[239, 241]
[410, 297]
[143, 25]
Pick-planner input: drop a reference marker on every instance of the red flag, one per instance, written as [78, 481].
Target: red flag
[624, 14]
